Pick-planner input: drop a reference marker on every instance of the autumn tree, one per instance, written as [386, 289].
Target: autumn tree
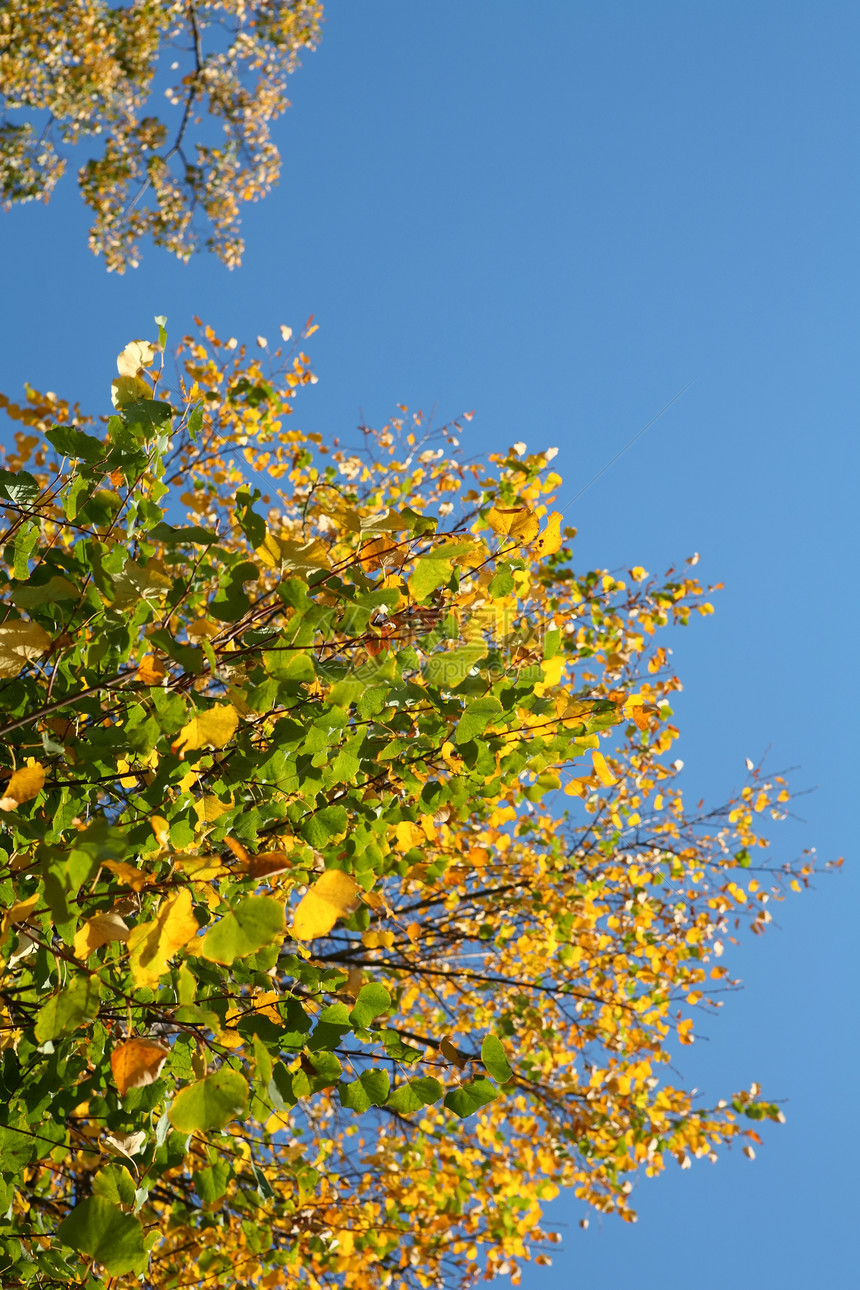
[171, 102]
[350, 904]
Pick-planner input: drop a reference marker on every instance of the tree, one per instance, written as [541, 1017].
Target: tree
[83, 70]
[350, 903]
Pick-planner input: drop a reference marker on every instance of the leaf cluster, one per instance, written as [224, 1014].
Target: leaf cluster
[350, 906]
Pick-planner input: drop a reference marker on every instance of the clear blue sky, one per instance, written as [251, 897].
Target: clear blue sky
[558, 214]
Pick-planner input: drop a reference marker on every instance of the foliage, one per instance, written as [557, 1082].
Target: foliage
[307, 975]
[87, 69]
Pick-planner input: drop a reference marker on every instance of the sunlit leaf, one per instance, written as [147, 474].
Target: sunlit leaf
[152, 944]
[137, 1062]
[213, 728]
[24, 784]
[333, 896]
[210, 1103]
[255, 921]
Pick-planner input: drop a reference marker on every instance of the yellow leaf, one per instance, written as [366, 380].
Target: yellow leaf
[24, 785]
[136, 355]
[98, 931]
[550, 540]
[152, 945]
[518, 523]
[136, 1063]
[129, 389]
[18, 913]
[161, 829]
[330, 898]
[552, 669]
[269, 554]
[203, 629]
[211, 808]
[408, 835]
[21, 643]
[128, 874]
[201, 868]
[604, 774]
[215, 728]
[577, 788]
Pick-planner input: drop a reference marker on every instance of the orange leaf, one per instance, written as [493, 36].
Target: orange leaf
[137, 1062]
[150, 670]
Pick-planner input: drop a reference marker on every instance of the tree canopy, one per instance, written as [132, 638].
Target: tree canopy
[171, 101]
[350, 903]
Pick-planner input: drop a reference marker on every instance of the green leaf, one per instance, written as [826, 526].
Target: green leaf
[376, 1085]
[256, 921]
[332, 1025]
[449, 669]
[477, 715]
[25, 541]
[17, 1144]
[97, 1228]
[72, 1007]
[251, 524]
[354, 1096]
[416, 1094]
[319, 829]
[71, 442]
[18, 487]
[145, 417]
[327, 1066]
[210, 1103]
[211, 1183]
[502, 584]
[115, 1184]
[551, 643]
[191, 533]
[470, 1097]
[371, 1002]
[30, 596]
[404, 1100]
[370, 1089]
[495, 1059]
[428, 574]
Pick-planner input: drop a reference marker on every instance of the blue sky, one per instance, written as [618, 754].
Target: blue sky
[558, 214]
